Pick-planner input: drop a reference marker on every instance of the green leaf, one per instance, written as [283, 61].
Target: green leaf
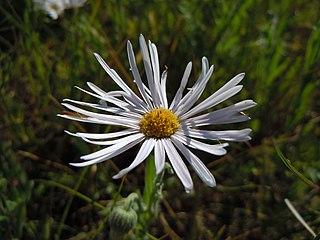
[288, 164]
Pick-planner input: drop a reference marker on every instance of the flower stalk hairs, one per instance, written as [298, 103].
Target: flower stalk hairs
[168, 129]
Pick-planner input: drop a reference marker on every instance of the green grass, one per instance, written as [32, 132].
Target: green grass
[41, 60]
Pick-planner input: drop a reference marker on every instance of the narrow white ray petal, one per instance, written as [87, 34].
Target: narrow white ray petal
[221, 92]
[299, 217]
[111, 120]
[115, 110]
[111, 149]
[204, 70]
[136, 75]
[212, 101]
[117, 80]
[195, 94]
[142, 108]
[184, 81]
[147, 91]
[198, 86]
[102, 93]
[105, 98]
[105, 117]
[230, 84]
[163, 88]
[117, 149]
[216, 149]
[198, 166]
[227, 135]
[113, 74]
[132, 95]
[178, 165]
[116, 93]
[109, 99]
[148, 69]
[159, 156]
[106, 67]
[156, 73]
[155, 62]
[134, 99]
[104, 135]
[225, 112]
[103, 142]
[96, 89]
[225, 88]
[235, 118]
[143, 153]
[98, 121]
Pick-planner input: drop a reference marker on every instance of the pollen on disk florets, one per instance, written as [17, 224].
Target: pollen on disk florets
[159, 123]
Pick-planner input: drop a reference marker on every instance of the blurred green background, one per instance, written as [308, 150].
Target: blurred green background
[276, 43]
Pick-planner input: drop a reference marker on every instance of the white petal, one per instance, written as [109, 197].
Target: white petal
[226, 112]
[227, 135]
[225, 120]
[113, 74]
[178, 165]
[117, 149]
[199, 86]
[136, 107]
[102, 93]
[115, 78]
[108, 118]
[163, 88]
[133, 98]
[116, 93]
[212, 101]
[114, 110]
[195, 93]
[109, 99]
[94, 120]
[198, 166]
[224, 93]
[143, 153]
[104, 135]
[148, 69]
[108, 150]
[230, 114]
[233, 82]
[136, 75]
[104, 142]
[159, 156]
[183, 84]
[96, 89]
[156, 73]
[155, 62]
[217, 149]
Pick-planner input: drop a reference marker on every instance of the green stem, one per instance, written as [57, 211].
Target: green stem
[67, 208]
[72, 191]
[103, 222]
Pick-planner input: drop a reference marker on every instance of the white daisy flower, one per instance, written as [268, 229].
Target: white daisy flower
[56, 7]
[167, 129]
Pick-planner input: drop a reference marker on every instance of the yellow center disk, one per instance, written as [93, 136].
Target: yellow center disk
[159, 123]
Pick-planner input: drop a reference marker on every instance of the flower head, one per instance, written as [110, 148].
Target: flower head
[56, 7]
[166, 129]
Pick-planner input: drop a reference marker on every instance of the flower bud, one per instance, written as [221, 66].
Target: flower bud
[122, 219]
